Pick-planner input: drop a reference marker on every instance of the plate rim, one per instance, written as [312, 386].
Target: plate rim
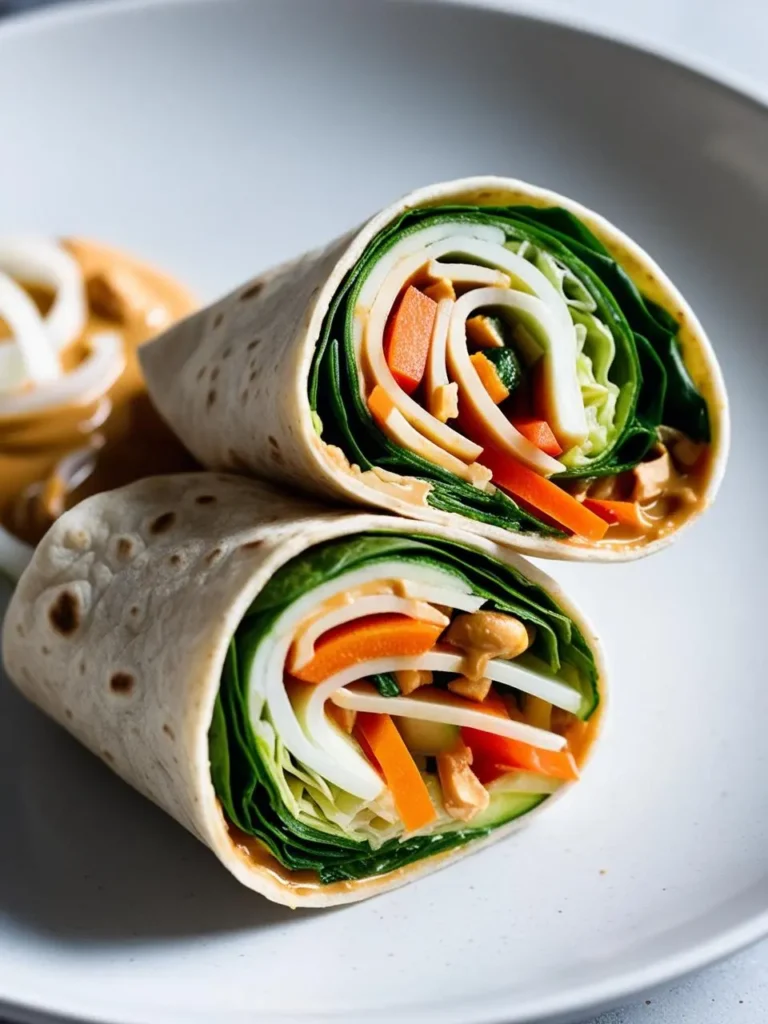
[592, 997]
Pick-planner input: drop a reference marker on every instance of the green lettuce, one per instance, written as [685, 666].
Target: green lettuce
[630, 366]
[301, 819]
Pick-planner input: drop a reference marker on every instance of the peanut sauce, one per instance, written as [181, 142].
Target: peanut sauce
[52, 459]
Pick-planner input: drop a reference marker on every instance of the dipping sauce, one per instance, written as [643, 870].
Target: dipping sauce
[54, 456]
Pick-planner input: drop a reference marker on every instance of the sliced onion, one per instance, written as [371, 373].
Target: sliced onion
[365, 698]
[44, 262]
[28, 355]
[472, 390]
[89, 381]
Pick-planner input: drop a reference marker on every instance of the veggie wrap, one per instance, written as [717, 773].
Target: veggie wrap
[334, 704]
[482, 354]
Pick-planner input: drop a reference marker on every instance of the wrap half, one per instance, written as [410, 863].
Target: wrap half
[333, 704]
[483, 354]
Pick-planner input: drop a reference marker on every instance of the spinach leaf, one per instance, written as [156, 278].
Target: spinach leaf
[654, 384]
[248, 771]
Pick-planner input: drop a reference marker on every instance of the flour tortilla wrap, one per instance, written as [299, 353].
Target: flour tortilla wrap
[144, 609]
[276, 380]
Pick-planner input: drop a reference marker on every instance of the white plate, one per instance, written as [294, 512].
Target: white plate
[218, 137]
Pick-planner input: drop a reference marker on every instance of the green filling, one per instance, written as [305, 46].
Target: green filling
[306, 823]
[630, 366]
[507, 366]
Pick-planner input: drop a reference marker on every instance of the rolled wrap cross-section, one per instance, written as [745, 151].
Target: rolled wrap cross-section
[482, 353]
[333, 704]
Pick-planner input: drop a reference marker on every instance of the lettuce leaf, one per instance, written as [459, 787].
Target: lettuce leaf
[303, 821]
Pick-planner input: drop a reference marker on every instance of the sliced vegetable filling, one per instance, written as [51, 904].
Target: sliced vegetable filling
[503, 357]
[388, 697]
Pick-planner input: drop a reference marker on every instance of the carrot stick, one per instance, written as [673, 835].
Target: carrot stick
[408, 789]
[543, 495]
[624, 513]
[489, 378]
[510, 755]
[539, 433]
[407, 337]
[373, 636]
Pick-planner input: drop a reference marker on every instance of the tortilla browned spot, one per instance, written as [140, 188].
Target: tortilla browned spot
[201, 373]
[122, 682]
[211, 398]
[68, 713]
[175, 559]
[213, 555]
[273, 441]
[205, 499]
[107, 757]
[244, 396]
[226, 352]
[217, 320]
[254, 344]
[253, 375]
[124, 547]
[252, 291]
[277, 457]
[134, 609]
[45, 650]
[169, 731]
[251, 545]
[64, 613]
[19, 629]
[162, 523]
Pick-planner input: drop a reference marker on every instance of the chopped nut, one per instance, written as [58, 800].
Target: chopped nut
[653, 478]
[441, 289]
[410, 679]
[463, 793]
[444, 402]
[686, 453]
[472, 689]
[486, 635]
[343, 717]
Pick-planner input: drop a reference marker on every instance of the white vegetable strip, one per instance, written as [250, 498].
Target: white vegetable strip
[472, 390]
[365, 698]
[44, 262]
[266, 682]
[468, 273]
[89, 381]
[436, 373]
[507, 673]
[397, 427]
[29, 354]
[374, 363]
[376, 604]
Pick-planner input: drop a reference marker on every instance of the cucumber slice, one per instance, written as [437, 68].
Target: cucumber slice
[507, 365]
[430, 738]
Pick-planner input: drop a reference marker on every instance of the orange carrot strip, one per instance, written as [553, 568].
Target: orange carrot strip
[625, 513]
[544, 495]
[489, 377]
[407, 337]
[380, 404]
[511, 755]
[539, 433]
[373, 636]
[408, 789]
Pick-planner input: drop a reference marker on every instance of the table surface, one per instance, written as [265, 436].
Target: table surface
[727, 37]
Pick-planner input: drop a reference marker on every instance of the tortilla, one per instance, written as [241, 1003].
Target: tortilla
[235, 381]
[121, 626]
